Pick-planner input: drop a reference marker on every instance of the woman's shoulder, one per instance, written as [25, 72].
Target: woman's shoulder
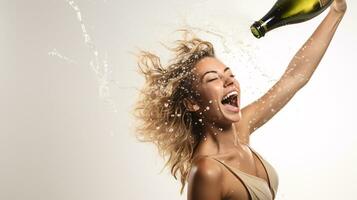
[205, 167]
[205, 174]
[205, 179]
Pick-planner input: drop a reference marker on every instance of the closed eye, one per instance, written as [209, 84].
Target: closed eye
[212, 79]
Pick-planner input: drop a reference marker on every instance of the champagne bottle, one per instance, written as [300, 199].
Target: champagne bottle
[286, 12]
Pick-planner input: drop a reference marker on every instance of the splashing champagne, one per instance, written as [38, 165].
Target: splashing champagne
[286, 12]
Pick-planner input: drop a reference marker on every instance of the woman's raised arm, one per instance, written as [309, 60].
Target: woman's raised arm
[298, 72]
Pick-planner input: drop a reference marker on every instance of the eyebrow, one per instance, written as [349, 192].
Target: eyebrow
[213, 71]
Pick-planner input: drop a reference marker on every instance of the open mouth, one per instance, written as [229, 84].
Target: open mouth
[231, 99]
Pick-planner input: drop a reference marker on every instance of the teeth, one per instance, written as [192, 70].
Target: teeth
[230, 94]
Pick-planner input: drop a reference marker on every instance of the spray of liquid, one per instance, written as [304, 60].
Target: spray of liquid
[57, 54]
[98, 63]
[237, 49]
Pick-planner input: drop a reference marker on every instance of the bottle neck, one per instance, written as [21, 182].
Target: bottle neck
[258, 29]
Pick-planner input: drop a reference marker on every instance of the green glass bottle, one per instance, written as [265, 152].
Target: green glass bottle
[288, 12]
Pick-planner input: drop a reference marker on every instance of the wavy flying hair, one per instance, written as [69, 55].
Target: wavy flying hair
[162, 117]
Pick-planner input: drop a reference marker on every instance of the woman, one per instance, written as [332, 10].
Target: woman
[191, 111]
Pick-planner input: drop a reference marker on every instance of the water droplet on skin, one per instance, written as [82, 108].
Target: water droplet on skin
[273, 110]
[171, 129]
[157, 128]
[215, 133]
[204, 138]
[179, 115]
[207, 108]
[200, 120]
[166, 104]
[220, 129]
[210, 101]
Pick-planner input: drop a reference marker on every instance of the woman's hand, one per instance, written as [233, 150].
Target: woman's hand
[339, 6]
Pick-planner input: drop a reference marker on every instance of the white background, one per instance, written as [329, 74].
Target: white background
[66, 132]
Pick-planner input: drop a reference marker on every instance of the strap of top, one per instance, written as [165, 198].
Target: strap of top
[257, 188]
[244, 182]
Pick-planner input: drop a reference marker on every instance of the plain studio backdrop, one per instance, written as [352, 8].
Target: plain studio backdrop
[68, 84]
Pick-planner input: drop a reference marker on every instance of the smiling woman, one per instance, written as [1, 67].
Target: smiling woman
[226, 99]
[231, 98]
[191, 110]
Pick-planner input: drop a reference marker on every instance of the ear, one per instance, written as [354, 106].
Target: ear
[190, 105]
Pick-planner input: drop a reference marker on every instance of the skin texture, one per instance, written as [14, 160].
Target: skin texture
[208, 180]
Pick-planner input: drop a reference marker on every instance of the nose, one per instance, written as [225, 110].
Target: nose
[228, 81]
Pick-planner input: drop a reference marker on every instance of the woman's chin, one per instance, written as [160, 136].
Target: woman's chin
[229, 118]
[231, 114]
[234, 117]
[225, 116]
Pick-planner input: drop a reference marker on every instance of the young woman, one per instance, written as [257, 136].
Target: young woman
[191, 110]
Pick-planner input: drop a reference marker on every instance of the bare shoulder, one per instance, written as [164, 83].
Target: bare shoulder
[205, 167]
[205, 180]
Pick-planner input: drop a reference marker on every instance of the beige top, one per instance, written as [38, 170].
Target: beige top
[257, 187]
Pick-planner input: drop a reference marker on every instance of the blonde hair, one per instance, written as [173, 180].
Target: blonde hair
[161, 114]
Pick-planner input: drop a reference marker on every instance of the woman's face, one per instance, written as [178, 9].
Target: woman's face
[219, 92]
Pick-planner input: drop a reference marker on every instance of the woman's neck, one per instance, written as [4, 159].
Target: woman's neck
[218, 140]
